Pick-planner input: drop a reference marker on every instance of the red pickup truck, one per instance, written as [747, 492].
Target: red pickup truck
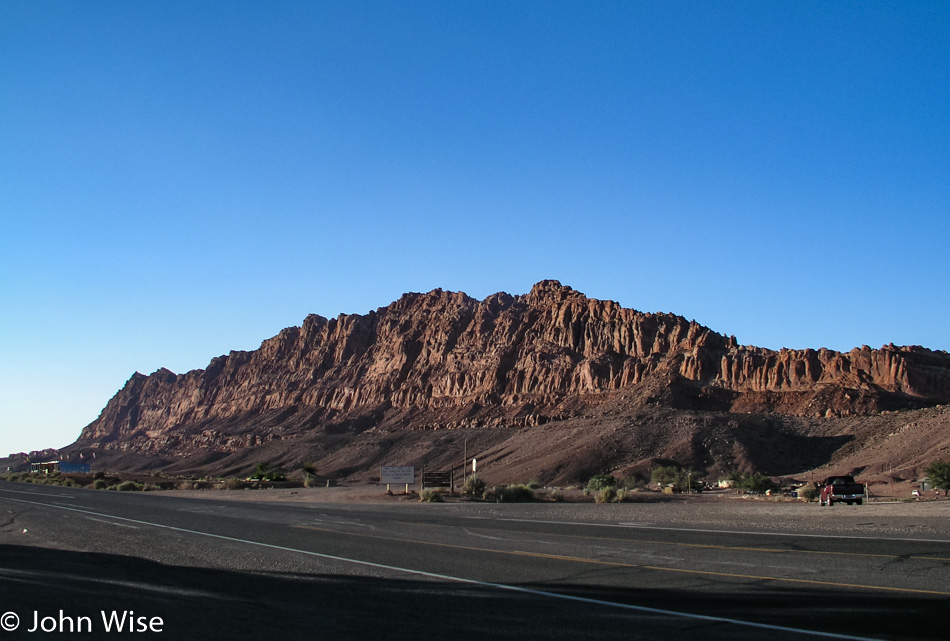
[840, 489]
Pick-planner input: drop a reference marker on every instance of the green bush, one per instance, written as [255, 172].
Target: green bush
[682, 480]
[99, 484]
[633, 482]
[264, 472]
[430, 495]
[756, 483]
[128, 486]
[939, 474]
[598, 482]
[606, 495]
[474, 486]
[809, 494]
[512, 494]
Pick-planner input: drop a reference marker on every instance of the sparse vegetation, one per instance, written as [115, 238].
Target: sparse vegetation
[54, 478]
[231, 484]
[97, 481]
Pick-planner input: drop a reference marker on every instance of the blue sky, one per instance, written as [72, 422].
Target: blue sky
[180, 179]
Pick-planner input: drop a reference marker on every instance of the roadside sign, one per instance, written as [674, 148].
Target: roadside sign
[398, 474]
[437, 479]
[474, 466]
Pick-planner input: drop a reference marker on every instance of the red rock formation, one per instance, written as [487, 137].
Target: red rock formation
[443, 359]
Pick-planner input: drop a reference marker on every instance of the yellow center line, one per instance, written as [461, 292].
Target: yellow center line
[654, 568]
[706, 546]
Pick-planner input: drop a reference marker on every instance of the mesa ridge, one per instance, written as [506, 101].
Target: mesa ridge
[553, 357]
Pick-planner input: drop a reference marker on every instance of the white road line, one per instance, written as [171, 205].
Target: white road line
[89, 518]
[487, 584]
[482, 536]
[59, 496]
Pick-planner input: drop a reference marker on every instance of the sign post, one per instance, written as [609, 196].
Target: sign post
[397, 474]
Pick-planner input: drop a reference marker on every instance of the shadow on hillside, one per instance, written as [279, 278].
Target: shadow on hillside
[203, 603]
[779, 453]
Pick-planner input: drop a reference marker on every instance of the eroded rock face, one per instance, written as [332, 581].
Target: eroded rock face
[443, 359]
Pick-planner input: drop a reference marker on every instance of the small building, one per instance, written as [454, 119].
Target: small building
[51, 467]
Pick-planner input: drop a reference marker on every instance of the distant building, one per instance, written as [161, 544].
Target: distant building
[49, 467]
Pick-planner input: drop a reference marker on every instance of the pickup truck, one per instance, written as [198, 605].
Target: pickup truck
[840, 489]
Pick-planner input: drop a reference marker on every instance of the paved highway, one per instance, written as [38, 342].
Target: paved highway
[219, 569]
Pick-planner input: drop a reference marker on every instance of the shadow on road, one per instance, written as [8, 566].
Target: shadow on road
[203, 603]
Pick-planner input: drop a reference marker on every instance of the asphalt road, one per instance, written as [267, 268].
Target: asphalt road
[209, 569]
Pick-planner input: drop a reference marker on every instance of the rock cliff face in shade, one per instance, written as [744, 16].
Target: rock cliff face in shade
[444, 360]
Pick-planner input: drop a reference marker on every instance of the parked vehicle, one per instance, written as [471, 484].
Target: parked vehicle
[840, 489]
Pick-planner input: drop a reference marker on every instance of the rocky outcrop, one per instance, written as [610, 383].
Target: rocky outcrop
[443, 359]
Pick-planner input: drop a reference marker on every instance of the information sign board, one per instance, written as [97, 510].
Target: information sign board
[398, 474]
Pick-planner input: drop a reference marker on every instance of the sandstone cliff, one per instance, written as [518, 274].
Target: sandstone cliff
[444, 360]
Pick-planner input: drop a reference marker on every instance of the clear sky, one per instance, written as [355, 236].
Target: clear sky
[180, 179]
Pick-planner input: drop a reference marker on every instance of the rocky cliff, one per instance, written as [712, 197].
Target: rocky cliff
[444, 360]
